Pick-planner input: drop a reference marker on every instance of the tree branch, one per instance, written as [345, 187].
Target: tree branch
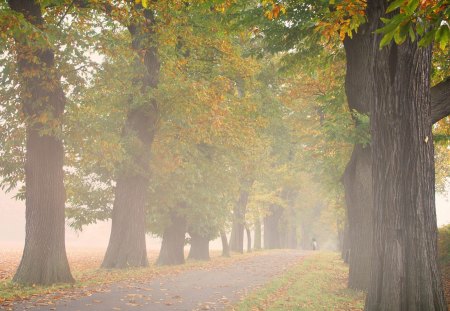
[440, 100]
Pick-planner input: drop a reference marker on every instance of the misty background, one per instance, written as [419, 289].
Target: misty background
[12, 226]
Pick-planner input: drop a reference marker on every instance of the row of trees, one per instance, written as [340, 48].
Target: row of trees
[159, 118]
[177, 117]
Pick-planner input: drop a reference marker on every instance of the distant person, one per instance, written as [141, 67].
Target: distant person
[314, 244]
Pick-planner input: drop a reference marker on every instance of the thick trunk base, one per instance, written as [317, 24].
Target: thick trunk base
[172, 247]
[199, 247]
[225, 246]
[44, 259]
[271, 228]
[126, 246]
[237, 236]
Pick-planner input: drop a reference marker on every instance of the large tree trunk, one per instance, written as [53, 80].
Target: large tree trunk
[257, 240]
[44, 259]
[172, 247]
[225, 246]
[199, 247]
[127, 241]
[405, 274]
[126, 246]
[358, 194]
[237, 231]
[357, 178]
[271, 227]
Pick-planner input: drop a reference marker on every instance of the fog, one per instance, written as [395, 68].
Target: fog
[12, 227]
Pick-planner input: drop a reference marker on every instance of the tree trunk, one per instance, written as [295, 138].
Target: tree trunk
[126, 246]
[237, 231]
[271, 227]
[127, 241]
[257, 242]
[440, 100]
[172, 247]
[44, 259]
[225, 246]
[292, 236]
[345, 253]
[358, 173]
[405, 274]
[199, 247]
[358, 194]
[306, 235]
[249, 238]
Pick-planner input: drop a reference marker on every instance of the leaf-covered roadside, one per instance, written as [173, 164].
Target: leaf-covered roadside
[319, 282]
[91, 279]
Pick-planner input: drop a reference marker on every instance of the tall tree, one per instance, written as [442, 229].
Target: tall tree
[357, 177]
[127, 241]
[44, 259]
[405, 274]
[237, 232]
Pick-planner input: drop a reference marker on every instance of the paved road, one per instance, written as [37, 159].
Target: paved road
[213, 289]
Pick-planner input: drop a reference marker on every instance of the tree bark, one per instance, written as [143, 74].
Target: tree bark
[225, 246]
[44, 259]
[440, 100]
[237, 231]
[126, 246]
[358, 194]
[271, 227]
[249, 238]
[306, 235]
[357, 177]
[358, 173]
[172, 246]
[199, 247]
[257, 241]
[405, 274]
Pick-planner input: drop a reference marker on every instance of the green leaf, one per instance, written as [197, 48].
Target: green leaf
[411, 6]
[428, 38]
[387, 38]
[412, 34]
[444, 37]
[399, 37]
[392, 24]
[394, 5]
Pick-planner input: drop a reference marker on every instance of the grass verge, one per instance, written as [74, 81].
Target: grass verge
[319, 282]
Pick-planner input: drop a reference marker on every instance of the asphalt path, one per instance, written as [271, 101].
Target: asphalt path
[198, 289]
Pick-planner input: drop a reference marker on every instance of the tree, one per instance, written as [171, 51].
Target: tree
[127, 241]
[237, 232]
[405, 274]
[44, 259]
[357, 177]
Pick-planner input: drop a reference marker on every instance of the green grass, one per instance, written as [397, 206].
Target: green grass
[317, 283]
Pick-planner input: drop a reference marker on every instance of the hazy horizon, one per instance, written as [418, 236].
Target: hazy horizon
[12, 226]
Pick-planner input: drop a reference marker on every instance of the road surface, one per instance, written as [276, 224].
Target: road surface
[212, 289]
